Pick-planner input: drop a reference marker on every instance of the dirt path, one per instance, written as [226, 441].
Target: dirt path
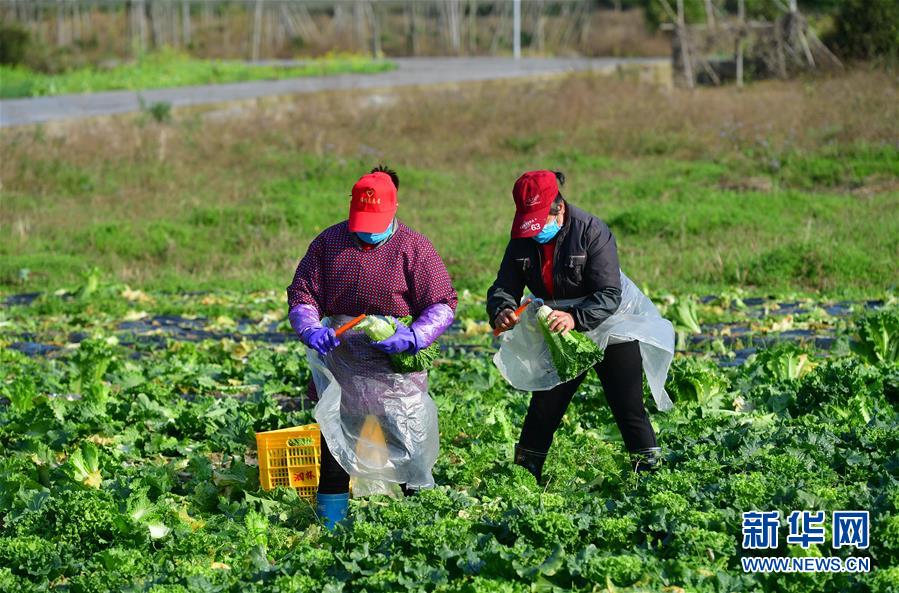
[410, 71]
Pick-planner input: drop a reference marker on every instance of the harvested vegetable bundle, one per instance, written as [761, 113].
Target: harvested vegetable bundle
[379, 328]
[572, 352]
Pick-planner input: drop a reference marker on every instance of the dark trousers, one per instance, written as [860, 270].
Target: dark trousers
[621, 375]
[332, 478]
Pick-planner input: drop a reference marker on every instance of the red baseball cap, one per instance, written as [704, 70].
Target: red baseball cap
[373, 203]
[533, 193]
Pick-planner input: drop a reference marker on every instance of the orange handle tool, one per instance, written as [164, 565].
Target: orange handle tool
[518, 311]
[349, 325]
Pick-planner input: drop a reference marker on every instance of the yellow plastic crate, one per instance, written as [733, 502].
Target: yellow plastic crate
[296, 464]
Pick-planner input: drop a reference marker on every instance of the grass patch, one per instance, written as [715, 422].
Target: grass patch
[166, 69]
[233, 203]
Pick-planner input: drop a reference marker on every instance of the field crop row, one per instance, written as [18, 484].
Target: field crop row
[131, 465]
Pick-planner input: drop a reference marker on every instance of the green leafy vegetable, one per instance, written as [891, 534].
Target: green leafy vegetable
[699, 381]
[784, 362]
[84, 466]
[878, 336]
[379, 328]
[572, 352]
[683, 314]
[168, 427]
[85, 519]
[139, 507]
[30, 556]
[843, 390]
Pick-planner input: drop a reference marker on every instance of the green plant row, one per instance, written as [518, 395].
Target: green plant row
[167, 69]
[131, 466]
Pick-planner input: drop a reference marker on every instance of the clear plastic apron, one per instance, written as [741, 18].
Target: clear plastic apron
[380, 426]
[524, 360]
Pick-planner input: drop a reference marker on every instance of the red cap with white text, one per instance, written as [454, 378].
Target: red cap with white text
[533, 193]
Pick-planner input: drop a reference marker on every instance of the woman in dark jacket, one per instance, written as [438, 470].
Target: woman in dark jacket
[560, 252]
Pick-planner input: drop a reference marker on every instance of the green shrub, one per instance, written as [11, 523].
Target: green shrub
[867, 29]
[160, 112]
[14, 42]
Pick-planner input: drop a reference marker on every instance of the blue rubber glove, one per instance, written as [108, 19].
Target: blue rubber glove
[401, 341]
[320, 339]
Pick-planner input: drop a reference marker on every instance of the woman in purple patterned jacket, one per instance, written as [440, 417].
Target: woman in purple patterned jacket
[376, 265]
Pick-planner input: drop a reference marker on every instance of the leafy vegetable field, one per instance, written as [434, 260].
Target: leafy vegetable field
[127, 457]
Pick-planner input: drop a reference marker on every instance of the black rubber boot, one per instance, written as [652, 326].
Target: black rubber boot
[530, 460]
[646, 460]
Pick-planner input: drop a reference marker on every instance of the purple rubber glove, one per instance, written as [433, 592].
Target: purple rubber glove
[304, 321]
[320, 339]
[303, 317]
[432, 322]
[403, 340]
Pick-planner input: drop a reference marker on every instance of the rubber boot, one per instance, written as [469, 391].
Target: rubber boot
[646, 460]
[530, 460]
[332, 508]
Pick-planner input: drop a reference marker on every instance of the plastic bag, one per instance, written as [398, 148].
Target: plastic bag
[379, 425]
[524, 360]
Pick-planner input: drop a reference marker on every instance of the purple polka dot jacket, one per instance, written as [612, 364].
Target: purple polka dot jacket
[339, 275]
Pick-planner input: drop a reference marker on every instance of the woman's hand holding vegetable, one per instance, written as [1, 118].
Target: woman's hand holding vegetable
[506, 320]
[560, 321]
[305, 322]
[320, 339]
[402, 340]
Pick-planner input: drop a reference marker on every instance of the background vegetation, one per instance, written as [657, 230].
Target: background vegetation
[51, 38]
[168, 68]
[79, 30]
[784, 186]
[127, 411]
[867, 29]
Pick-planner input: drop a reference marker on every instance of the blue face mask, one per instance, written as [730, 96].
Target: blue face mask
[375, 238]
[548, 231]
